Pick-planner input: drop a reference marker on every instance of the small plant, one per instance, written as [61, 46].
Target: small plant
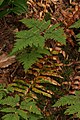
[17, 108]
[30, 43]
[72, 103]
[12, 6]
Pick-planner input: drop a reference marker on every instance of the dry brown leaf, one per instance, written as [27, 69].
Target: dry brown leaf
[5, 61]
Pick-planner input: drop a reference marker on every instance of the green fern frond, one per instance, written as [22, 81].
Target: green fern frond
[23, 114]
[72, 102]
[73, 109]
[10, 101]
[57, 35]
[30, 105]
[28, 38]
[11, 116]
[40, 25]
[78, 35]
[76, 24]
[66, 100]
[34, 37]
[28, 59]
[19, 106]
[8, 110]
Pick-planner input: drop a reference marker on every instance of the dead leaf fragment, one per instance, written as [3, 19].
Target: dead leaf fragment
[5, 61]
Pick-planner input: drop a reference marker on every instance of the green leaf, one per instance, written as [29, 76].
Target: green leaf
[4, 3]
[65, 100]
[40, 25]
[18, 10]
[30, 37]
[30, 43]
[20, 3]
[57, 35]
[11, 117]
[30, 23]
[1, 1]
[43, 51]
[79, 49]
[2, 94]
[78, 35]
[76, 24]
[34, 117]
[73, 109]
[78, 114]
[30, 106]
[77, 93]
[23, 114]
[10, 89]
[10, 101]
[28, 59]
[20, 7]
[7, 110]
[72, 102]
[53, 27]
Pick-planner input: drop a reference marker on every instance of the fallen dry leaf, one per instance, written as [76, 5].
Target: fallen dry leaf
[5, 60]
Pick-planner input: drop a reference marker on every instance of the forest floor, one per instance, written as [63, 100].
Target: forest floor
[65, 11]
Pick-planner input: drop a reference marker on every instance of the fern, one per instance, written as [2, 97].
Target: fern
[12, 6]
[16, 107]
[55, 34]
[27, 59]
[72, 102]
[77, 25]
[29, 45]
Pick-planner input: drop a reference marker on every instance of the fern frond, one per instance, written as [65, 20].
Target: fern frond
[76, 24]
[28, 59]
[57, 35]
[73, 109]
[23, 107]
[28, 38]
[41, 25]
[8, 110]
[72, 102]
[10, 101]
[35, 36]
[11, 116]
[78, 35]
[66, 100]
[30, 105]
